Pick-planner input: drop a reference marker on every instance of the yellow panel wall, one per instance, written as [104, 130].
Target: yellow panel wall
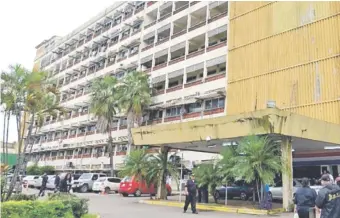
[288, 52]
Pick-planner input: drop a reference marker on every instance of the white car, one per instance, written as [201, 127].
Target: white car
[38, 181]
[106, 184]
[30, 180]
[276, 191]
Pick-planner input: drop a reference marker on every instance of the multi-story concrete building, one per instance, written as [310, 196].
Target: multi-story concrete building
[181, 45]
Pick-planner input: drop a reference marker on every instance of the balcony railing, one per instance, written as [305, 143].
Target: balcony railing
[217, 17]
[169, 119]
[148, 47]
[194, 83]
[162, 41]
[195, 53]
[182, 32]
[175, 88]
[159, 66]
[181, 9]
[216, 46]
[176, 60]
[215, 77]
[150, 24]
[193, 3]
[158, 92]
[214, 111]
[197, 25]
[191, 115]
[165, 17]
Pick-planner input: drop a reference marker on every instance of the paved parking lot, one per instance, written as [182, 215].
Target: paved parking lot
[114, 205]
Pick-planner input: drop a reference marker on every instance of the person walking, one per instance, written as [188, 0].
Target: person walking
[65, 183]
[191, 193]
[56, 183]
[304, 199]
[43, 185]
[328, 199]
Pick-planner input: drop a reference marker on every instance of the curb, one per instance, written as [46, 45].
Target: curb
[204, 207]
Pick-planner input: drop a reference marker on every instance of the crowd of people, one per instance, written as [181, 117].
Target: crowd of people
[326, 201]
[61, 184]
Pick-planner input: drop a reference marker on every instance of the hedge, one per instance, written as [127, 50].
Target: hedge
[79, 205]
[36, 209]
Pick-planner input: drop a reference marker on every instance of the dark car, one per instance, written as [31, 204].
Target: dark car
[239, 189]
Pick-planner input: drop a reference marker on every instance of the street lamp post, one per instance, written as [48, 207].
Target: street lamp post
[180, 183]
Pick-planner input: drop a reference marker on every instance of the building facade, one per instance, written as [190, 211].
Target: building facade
[293, 55]
[181, 45]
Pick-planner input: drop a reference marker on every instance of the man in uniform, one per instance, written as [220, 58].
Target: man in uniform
[190, 192]
[328, 199]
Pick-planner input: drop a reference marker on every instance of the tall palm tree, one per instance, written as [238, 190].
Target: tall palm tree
[258, 159]
[134, 97]
[103, 105]
[31, 95]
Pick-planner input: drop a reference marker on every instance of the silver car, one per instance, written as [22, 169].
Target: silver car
[85, 182]
[276, 190]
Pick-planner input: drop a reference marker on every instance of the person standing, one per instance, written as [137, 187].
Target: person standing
[191, 193]
[304, 199]
[43, 185]
[328, 199]
[65, 183]
[56, 183]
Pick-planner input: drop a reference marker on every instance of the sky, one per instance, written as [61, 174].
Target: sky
[26, 23]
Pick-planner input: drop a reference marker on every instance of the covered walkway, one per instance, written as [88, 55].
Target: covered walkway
[295, 132]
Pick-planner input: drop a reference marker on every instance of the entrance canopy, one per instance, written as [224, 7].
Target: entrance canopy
[211, 135]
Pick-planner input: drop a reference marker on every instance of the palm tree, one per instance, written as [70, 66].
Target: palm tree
[31, 96]
[134, 97]
[135, 164]
[103, 105]
[159, 168]
[209, 175]
[258, 159]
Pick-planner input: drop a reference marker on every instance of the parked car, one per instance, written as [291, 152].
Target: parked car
[107, 184]
[239, 189]
[38, 181]
[85, 182]
[30, 180]
[130, 186]
[275, 191]
[50, 183]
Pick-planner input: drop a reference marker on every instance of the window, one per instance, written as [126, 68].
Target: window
[102, 175]
[211, 72]
[173, 84]
[94, 177]
[191, 79]
[114, 180]
[214, 103]
[194, 107]
[155, 115]
[171, 112]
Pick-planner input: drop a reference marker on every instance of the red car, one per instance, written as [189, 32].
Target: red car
[130, 186]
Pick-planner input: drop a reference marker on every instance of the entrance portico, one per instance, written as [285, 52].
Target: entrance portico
[295, 132]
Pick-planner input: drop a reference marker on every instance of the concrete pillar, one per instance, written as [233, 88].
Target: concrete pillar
[287, 173]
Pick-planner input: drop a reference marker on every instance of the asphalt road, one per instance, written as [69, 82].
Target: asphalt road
[114, 205]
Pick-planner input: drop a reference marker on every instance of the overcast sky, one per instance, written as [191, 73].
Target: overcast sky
[26, 23]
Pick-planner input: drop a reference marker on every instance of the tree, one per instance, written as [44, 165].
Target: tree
[31, 95]
[33, 170]
[258, 159]
[103, 105]
[134, 96]
[209, 175]
[135, 164]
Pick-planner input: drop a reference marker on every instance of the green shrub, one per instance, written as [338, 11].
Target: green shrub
[23, 197]
[79, 205]
[35, 209]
